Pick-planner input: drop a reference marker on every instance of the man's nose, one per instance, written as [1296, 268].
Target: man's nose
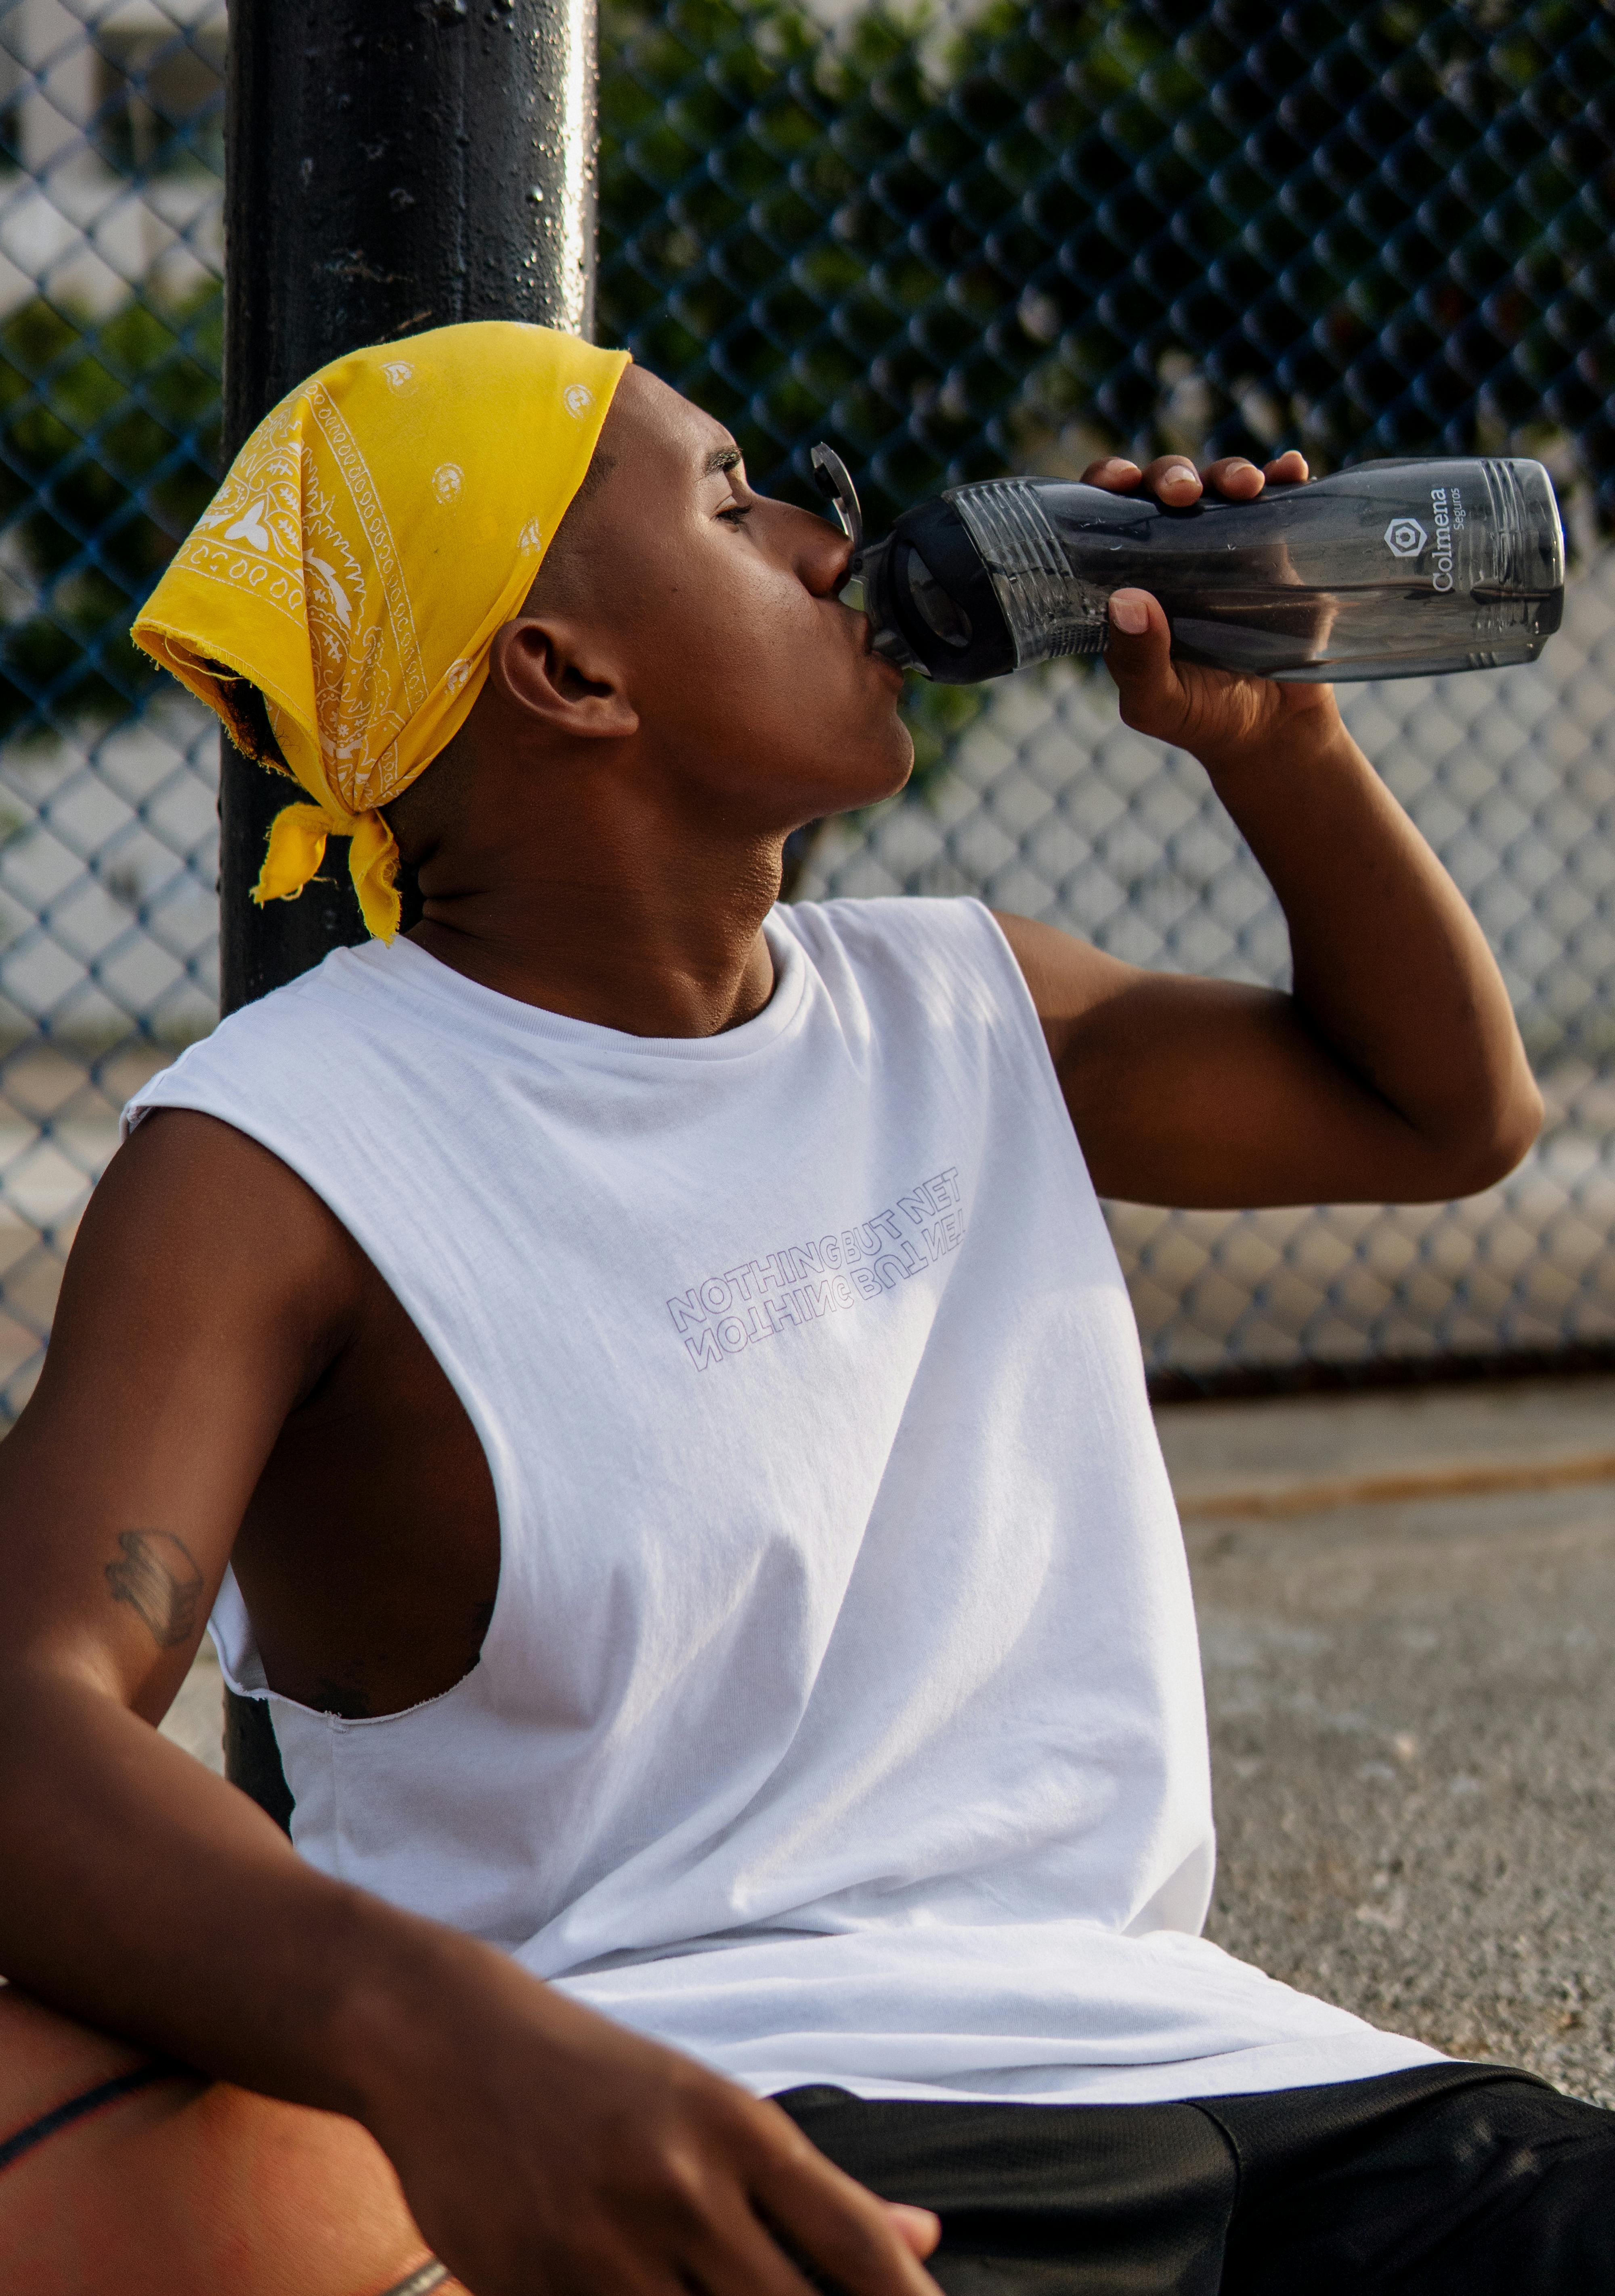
[819, 552]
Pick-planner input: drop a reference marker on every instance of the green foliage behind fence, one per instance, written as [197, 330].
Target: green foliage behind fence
[1016, 240]
[1012, 234]
[109, 441]
[1381, 229]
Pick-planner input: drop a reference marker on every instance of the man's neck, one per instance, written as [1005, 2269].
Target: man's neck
[682, 954]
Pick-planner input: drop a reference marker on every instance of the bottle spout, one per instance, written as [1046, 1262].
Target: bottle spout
[834, 480]
[923, 587]
[863, 589]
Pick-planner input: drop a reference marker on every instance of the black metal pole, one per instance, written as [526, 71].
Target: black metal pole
[390, 165]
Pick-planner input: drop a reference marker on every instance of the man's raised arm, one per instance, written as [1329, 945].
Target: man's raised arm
[1393, 1073]
[538, 2144]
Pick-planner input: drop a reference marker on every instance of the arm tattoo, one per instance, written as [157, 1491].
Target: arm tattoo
[157, 1578]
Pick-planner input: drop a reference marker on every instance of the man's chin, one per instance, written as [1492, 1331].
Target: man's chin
[887, 773]
[845, 800]
[847, 782]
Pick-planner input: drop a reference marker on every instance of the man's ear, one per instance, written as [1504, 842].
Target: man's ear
[554, 668]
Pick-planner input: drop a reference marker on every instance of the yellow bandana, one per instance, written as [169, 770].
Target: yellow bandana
[370, 536]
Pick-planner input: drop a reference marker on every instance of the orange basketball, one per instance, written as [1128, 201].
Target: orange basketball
[121, 2177]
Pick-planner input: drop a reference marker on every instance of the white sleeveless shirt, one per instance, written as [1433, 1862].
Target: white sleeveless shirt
[839, 1719]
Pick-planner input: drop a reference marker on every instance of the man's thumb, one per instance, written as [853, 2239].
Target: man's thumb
[1138, 628]
[1138, 651]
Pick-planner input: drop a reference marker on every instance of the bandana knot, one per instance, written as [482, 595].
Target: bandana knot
[297, 847]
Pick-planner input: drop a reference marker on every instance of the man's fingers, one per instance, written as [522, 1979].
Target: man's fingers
[843, 2231]
[1114, 473]
[1174, 479]
[738, 2258]
[1236, 477]
[921, 2228]
[745, 2261]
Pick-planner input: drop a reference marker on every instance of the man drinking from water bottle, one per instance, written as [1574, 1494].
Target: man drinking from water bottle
[638, 1379]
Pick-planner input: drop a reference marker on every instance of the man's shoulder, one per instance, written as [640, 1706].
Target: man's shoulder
[892, 916]
[903, 929]
[296, 1037]
[946, 954]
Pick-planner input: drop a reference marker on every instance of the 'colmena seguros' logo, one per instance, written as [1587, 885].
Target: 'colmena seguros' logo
[1405, 538]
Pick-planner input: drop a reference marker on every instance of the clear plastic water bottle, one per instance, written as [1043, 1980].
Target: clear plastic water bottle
[1387, 570]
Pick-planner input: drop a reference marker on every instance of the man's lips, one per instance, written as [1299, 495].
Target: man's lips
[878, 659]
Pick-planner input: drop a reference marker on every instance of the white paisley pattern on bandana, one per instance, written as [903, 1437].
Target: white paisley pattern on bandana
[250, 535]
[276, 530]
[359, 704]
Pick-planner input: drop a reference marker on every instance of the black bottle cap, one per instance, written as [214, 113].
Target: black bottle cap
[937, 533]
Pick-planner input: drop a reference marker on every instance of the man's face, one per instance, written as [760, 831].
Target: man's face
[754, 686]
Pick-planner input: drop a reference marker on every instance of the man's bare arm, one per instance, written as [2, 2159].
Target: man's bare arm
[1392, 1073]
[538, 2144]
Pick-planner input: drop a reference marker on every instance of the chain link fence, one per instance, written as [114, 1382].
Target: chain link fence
[110, 158]
[1006, 235]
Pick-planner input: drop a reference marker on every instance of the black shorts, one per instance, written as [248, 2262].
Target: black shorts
[1445, 2180]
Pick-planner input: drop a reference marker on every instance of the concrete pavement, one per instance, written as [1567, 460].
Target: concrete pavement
[1413, 1706]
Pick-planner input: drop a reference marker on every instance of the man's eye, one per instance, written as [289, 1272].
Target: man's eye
[736, 510]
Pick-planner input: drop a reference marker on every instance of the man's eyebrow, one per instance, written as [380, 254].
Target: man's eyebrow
[722, 458]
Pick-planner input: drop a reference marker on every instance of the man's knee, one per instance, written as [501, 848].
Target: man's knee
[118, 2170]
